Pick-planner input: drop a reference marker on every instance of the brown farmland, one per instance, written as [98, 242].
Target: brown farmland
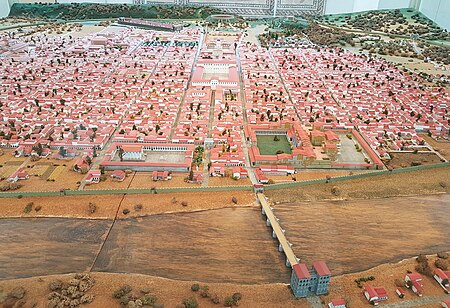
[356, 235]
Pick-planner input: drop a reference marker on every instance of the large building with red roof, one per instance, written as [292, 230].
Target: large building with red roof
[315, 280]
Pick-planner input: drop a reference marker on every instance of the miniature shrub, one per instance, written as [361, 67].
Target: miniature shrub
[442, 264]
[204, 291]
[215, 299]
[122, 291]
[38, 208]
[92, 208]
[138, 207]
[234, 200]
[126, 211]
[335, 191]
[148, 300]
[237, 297]
[190, 303]
[228, 301]
[184, 203]
[28, 207]
[195, 287]
[399, 283]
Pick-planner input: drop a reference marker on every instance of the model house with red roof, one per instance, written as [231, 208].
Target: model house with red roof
[443, 277]
[160, 176]
[315, 280]
[414, 281]
[338, 303]
[240, 173]
[20, 174]
[374, 294]
[445, 303]
[400, 292]
[93, 177]
[118, 175]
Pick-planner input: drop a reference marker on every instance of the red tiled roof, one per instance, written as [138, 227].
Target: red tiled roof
[321, 268]
[301, 271]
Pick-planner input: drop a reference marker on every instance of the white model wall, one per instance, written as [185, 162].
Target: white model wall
[438, 11]
[350, 6]
[393, 4]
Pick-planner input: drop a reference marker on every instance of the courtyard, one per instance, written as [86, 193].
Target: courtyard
[268, 146]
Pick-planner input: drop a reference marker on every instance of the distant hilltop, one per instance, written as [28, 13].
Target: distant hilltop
[81, 11]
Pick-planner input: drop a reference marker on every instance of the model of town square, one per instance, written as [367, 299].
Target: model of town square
[199, 106]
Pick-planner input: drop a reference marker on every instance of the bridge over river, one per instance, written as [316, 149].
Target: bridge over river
[277, 231]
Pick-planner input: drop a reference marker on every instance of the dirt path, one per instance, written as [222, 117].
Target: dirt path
[420, 301]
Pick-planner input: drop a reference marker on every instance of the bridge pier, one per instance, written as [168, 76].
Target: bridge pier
[268, 222]
[263, 211]
[274, 235]
[288, 264]
[280, 248]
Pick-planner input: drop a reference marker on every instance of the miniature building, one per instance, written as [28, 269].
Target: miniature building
[118, 175]
[20, 174]
[337, 303]
[240, 173]
[443, 277]
[446, 303]
[413, 281]
[374, 295]
[400, 292]
[315, 280]
[93, 176]
[160, 176]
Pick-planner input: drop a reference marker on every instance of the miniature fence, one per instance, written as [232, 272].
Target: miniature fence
[132, 191]
[356, 176]
[217, 188]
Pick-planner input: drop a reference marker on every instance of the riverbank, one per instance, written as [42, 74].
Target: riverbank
[108, 206]
[168, 292]
[414, 183]
[171, 293]
[344, 286]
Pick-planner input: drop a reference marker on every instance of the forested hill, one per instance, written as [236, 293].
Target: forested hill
[79, 11]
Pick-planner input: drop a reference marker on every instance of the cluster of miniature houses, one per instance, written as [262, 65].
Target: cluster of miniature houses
[132, 86]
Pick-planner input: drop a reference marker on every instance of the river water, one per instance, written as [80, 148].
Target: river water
[226, 245]
[354, 236]
[229, 245]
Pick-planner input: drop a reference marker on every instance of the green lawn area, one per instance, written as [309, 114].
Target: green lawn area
[267, 146]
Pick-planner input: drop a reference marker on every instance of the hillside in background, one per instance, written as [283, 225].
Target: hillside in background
[76, 11]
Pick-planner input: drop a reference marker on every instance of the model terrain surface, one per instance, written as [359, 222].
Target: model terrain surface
[186, 156]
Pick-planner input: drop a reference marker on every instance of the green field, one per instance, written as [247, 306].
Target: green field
[267, 145]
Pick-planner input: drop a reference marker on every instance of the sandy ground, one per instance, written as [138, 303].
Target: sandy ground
[171, 203]
[61, 206]
[305, 175]
[145, 180]
[385, 275]
[106, 205]
[390, 185]
[227, 181]
[169, 292]
[173, 292]
[402, 160]
[442, 147]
